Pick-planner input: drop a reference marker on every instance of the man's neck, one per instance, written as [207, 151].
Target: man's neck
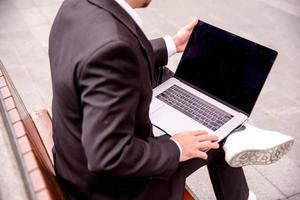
[130, 10]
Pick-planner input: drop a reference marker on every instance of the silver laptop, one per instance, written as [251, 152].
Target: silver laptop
[216, 84]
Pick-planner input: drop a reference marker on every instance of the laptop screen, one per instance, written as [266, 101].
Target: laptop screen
[226, 66]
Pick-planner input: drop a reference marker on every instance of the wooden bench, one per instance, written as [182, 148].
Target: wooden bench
[31, 135]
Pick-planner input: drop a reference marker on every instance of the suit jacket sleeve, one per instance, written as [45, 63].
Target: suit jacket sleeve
[160, 52]
[110, 91]
[161, 73]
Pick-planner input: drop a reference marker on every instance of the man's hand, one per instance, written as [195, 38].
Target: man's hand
[193, 144]
[182, 36]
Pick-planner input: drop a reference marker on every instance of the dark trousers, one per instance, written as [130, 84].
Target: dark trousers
[228, 183]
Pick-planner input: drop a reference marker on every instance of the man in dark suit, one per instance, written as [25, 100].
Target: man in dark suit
[103, 70]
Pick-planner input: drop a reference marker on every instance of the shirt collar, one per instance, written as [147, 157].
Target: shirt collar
[133, 14]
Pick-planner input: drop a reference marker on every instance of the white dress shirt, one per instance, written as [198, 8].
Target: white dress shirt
[171, 47]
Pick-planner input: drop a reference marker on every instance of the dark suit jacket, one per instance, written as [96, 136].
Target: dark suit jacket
[103, 70]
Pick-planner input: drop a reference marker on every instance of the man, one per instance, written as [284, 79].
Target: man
[103, 71]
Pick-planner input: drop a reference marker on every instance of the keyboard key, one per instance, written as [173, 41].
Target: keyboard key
[194, 107]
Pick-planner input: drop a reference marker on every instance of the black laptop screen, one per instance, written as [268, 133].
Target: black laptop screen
[225, 66]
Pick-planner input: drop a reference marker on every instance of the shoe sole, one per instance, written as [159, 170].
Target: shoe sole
[261, 157]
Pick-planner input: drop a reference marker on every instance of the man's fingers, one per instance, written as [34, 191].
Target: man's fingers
[202, 155]
[208, 145]
[214, 145]
[206, 137]
[192, 24]
[198, 132]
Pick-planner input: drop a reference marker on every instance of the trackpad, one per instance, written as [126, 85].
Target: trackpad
[172, 121]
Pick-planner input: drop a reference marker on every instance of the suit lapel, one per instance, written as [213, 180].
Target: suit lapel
[120, 14]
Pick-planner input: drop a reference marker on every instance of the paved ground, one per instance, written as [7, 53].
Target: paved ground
[25, 26]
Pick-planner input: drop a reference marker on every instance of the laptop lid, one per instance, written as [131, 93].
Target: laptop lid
[225, 66]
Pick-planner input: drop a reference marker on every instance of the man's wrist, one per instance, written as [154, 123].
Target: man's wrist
[171, 47]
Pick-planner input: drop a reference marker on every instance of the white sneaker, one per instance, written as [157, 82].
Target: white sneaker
[254, 146]
[251, 196]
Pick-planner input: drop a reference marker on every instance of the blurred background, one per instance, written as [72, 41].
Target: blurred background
[24, 32]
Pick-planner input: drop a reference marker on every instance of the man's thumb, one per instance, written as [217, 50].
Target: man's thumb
[192, 24]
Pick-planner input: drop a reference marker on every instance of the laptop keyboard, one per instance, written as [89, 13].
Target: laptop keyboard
[194, 107]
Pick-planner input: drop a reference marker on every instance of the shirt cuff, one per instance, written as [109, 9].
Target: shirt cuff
[179, 147]
[171, 47]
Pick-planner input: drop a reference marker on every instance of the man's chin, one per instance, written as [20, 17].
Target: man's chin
[146, 3]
